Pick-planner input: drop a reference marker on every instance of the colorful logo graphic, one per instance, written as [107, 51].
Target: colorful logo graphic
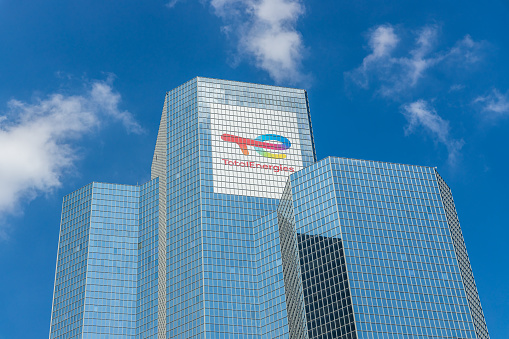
[261, 145]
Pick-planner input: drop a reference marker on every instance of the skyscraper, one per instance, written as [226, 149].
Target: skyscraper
[241, 233]
[380, 251]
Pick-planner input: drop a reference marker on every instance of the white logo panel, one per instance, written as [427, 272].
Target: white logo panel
[254, 150]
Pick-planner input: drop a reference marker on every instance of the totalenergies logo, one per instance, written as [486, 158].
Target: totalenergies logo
[261, 145]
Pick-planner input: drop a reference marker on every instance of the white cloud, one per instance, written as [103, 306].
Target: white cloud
[418, 62]
[172, 3]
[266, 33]
[397, 74]
[420, 114]
[466, 51]
[36, 139]
[382, 41]
[495, 104]
[107, 101]
[456, 88]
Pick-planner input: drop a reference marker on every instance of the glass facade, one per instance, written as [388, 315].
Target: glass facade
[241, 233]
[225, 171]
[106, 285]
[376, 238]
[70, 275]
[148, 262]
[272, 309]
[464, 263]
[110, 292]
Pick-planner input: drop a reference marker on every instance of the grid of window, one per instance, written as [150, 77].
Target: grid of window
[464, 263]
[401, 266]
[97, 268]
[184, 288]
[242, 234]
[110, 302]
[325, 284]
[230, 269]
[148, 262]
[403, 271]
[232, 203]
[273, 320]
[191, 240]
[324, 273]
[158, 170]
[70, 281]
[291, 266]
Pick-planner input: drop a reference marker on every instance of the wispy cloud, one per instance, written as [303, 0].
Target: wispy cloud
[172, 3]
[420, 114]
[456, 88]
[36, 139]
[105, 100]
[494, 104]
[382, 41]
[394, 74]
[265, 32]
[396, 69]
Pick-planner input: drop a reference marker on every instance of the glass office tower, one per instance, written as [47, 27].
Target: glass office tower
[381, 253]
[230, 149]
[241, 233]
[101, 269]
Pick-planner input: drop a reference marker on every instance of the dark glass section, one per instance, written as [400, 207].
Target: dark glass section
[327, 296]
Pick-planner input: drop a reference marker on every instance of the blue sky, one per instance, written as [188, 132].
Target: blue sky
[82, 85]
